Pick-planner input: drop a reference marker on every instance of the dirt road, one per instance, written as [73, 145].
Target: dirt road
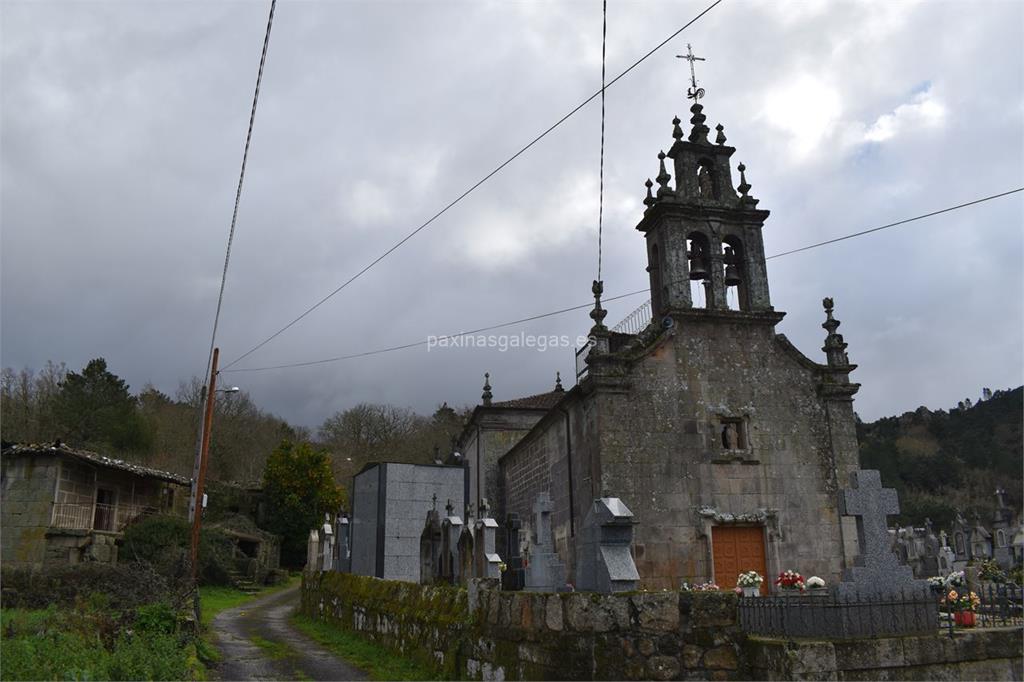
[257, 642]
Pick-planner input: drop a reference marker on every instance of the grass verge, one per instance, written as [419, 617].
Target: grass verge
[380, 663]
[215, 599]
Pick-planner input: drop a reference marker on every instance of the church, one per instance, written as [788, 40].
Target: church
[727, 443]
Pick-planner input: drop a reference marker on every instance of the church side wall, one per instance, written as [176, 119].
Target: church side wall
[499, 432]
[661, 451]
[541, 463]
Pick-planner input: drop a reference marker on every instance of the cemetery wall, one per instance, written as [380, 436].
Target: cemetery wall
[489, 634]
[529, 635]
[987, 654]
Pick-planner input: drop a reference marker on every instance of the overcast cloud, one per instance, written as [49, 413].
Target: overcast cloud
[122, 132]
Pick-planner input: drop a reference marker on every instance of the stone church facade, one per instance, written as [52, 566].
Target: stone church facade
[726, 442]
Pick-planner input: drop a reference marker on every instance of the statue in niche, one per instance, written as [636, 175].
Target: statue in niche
[730, 437]
[705, 184]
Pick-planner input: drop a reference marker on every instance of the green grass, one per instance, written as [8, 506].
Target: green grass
[55, 644]
[275, 650]
[380, 663]
[214, 599]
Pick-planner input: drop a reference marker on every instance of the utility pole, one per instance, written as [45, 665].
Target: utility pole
[200, 469]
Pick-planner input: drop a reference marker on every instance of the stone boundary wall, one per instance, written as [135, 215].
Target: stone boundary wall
[981, 654]
[487, 634]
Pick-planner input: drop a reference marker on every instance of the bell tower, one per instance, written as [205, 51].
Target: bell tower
[700, 228]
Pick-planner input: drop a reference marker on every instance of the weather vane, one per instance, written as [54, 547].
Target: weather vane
[692, 92]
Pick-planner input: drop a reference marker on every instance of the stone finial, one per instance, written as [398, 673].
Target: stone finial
[649, 201]
[598, 313]
[486, 397]
[744, 187]
[1000, 498]
[558, 383]
[663, 176]
[720, 138]
[699, 132]
[677, 132]
[835, 347]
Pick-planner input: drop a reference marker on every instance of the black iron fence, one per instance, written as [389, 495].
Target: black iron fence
[832, 616]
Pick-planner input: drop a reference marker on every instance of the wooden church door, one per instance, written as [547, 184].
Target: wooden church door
[736, 549]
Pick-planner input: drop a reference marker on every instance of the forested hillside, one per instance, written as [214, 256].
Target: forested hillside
[96, 410]
[941, 461]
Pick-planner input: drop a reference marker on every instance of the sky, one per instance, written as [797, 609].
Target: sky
[122, 127]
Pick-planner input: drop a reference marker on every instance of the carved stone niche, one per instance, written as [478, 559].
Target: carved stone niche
[729, 440]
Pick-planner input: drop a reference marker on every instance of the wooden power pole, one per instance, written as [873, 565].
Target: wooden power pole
[204, 449]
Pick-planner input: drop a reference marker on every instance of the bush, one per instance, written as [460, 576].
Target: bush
[164, 542]
[125, 586]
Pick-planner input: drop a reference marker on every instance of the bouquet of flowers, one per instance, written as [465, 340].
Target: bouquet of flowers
[702, 587]
[956, 579]
[962, 601]
[749, 579]
[937, 583]
[790, 580]
[815, 583]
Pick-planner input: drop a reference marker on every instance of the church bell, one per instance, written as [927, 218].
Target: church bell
[732, 272]
[698, 270]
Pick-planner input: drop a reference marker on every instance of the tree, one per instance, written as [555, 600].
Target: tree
[95, 408]
[299, 488]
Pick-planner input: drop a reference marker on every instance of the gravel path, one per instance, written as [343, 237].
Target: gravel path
[285, 654]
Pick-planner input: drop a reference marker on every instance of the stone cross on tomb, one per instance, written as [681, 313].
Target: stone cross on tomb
[876, 569]
[870, 503]
[693, 92]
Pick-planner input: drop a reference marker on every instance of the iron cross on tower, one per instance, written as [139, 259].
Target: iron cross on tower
[693, 92]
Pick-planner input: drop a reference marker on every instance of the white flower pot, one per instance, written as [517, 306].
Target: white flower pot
[751, 590]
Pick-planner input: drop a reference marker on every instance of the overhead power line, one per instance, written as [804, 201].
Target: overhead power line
[477, 184]
[241, 179]
[899, 222]
[523, 320]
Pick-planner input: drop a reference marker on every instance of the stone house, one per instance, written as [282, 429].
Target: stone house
[62, 505]
[727, 443]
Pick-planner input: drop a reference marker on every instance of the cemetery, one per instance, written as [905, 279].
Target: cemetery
[476, 614]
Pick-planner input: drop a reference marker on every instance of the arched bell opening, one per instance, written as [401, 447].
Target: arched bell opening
[698, 255]
[735, 274]
[707, 180]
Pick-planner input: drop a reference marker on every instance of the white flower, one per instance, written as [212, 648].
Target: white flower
[815, 582]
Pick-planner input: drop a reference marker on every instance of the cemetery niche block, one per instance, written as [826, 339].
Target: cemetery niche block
[327, 545]
[605, 561]
[342, 554]
[514, 576]
[313, 552]
[876, 571]
[451, 529]
[430, 549]
[486, 559]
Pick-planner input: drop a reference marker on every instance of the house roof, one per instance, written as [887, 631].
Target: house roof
[58, 448]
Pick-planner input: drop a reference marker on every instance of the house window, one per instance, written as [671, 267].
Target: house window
[733, 435]
[168, 498]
